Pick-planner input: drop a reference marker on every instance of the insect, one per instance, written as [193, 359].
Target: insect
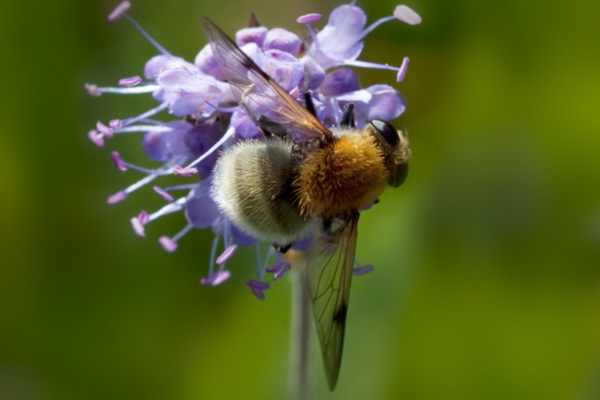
[304, 177]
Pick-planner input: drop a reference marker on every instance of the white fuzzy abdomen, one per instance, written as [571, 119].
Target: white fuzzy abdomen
[252, 185]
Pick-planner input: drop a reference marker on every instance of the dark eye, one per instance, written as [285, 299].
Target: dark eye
[387, 131]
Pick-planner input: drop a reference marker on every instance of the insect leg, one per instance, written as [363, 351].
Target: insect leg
[310, 105]
[270, 127]
[348, 117]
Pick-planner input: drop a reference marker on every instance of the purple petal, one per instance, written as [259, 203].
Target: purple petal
[130, 81]
[386, 103]
[254, 52]
[227, 254]
[314, 75]
[96, 138]
[200, 139]
[339, 81]
[119, 11]
[166, 145]
[200, 209]
[251, 35]
[160, 63]
[208, 63]
[362, 270]
[361, 100]
[163, 193]
[188, 91]
[407, 15]
[116, 198]
[309, 18]
[168, 244]
[281, 39]
[358, 96]
[118, 161]
[284, 68]
[244, 127]
[340, 39]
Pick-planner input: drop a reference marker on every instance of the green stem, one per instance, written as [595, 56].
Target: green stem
[300, 335]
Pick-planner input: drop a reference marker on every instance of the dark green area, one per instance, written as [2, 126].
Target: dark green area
[487, 281]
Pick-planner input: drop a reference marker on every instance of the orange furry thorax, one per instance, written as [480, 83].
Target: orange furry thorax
[349, 174]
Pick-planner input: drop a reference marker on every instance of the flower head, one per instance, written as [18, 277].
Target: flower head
[198, 114]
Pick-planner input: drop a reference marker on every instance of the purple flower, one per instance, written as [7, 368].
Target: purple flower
[339, 81]
[198, 114]
[341, 41]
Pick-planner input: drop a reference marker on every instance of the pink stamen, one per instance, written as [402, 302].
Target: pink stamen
[104, 130]
[168, 244]
[138, 223]
[403, 69]
[115, 124]
[227, 254]
[96, 138]
[308, 18]
[407, 15]
[221, 277]
[119, 11]
[118, 161]
[163, 193]
[185, 171]
[216, 278]
[130, 81]
[116, 198]
[92, 90]
[144, 217]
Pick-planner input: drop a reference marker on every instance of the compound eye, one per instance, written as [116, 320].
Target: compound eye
[387, 131]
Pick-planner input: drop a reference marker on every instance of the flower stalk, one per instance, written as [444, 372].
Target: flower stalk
[299, 387]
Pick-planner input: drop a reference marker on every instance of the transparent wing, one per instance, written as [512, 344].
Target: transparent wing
[261, 95]
[329, 265]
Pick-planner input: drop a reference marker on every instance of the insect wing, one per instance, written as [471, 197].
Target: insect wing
[260, 94]
[329, 264]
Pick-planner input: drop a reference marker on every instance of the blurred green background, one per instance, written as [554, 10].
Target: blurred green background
[487, 281]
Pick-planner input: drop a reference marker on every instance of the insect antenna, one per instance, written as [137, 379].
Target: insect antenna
[309, 104]
[348, 120]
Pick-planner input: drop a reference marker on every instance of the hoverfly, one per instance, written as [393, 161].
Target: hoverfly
[304, 177]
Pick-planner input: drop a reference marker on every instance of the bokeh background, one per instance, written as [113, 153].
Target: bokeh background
[487, 281]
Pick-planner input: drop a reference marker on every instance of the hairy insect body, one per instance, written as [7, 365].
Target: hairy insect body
[274, 188]
[348, 174]
[252, 186]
